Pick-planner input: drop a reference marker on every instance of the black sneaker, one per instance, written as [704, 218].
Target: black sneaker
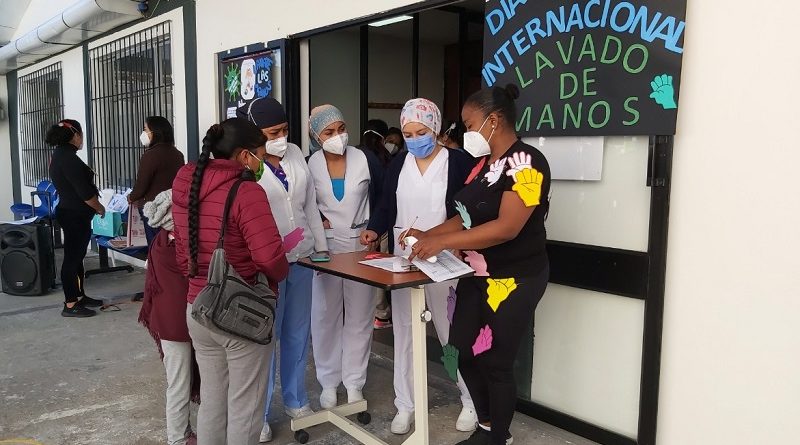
[479, 437]
[90, 302]
[77, 311]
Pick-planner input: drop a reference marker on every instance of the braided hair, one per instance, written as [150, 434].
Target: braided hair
[223, 141]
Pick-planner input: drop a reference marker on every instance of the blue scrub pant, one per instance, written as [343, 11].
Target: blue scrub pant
[292, 331]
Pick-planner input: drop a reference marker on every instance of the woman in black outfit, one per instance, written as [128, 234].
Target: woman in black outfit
[77, 205]
[500, 228]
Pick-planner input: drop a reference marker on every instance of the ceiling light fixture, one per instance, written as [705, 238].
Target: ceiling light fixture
[391, 20]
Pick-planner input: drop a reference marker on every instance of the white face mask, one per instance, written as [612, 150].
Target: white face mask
[477, 145]
[336, 144]
[144, 138]
[391, 147]
[277, 147]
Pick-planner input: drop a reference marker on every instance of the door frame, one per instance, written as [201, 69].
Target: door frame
[651, 288]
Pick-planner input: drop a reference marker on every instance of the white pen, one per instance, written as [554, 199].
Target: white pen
[403, 235]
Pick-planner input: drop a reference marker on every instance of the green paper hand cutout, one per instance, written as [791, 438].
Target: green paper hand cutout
[663, 92]
[465, 218]
[450, 360]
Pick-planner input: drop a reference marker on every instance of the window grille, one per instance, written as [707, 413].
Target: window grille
[131, 79]
[41, 105]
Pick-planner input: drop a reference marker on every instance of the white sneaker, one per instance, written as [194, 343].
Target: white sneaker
[266, 434]
[467, 420]
[294, 413]
[402, 422]
[354, 395]
[328, 398]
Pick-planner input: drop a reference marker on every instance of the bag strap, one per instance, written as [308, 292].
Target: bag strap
[228, 203]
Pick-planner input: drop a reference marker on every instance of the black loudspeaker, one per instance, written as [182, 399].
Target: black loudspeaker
[27, 259]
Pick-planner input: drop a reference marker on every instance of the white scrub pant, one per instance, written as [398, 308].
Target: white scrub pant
[436, 298]
[292, 328]
[341, 330]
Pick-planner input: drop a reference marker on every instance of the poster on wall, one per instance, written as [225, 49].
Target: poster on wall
[245, 78]
[587, 67]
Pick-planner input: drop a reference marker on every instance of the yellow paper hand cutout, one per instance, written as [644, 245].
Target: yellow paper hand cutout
[499, 290]
[528, 185]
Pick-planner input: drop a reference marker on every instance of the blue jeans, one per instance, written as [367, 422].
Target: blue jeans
[292, 331]
[149, 232]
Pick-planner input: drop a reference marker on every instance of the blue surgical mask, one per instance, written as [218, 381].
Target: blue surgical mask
[421, 146]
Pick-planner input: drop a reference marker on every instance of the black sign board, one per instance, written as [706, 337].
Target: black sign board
[244, 78]
[588, 67]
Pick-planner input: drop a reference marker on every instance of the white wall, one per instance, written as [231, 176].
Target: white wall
[6, 185]
[73, 95]
[242, 22]
[731, 355]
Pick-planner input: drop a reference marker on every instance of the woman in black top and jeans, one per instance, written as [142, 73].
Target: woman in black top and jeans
[78, 203]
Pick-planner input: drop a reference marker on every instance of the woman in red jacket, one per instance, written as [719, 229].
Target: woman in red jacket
[233, 371]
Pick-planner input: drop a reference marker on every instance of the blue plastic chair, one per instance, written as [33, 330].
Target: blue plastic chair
[48, 200]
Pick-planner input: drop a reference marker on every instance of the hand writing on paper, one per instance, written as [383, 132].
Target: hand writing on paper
[663, 92]
[465, 218]
[528, 185]
[477, 262]
[451, 304]
[450, 360]
[499, 290]
[292, 239]
[484, 341]
[518, 162]
[426, 247]
[495, 171]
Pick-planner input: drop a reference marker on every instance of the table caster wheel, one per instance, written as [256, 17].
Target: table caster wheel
[364, 418]
[301, 436]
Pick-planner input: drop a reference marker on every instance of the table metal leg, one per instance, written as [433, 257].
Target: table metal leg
[419, 318]
[338, 415]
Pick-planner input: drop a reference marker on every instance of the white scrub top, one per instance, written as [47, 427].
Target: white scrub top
[421, 197]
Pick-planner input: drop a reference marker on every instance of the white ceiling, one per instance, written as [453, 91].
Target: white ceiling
[11, 12]
[436, 26]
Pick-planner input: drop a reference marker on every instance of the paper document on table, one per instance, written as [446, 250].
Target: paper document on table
[446, 267]
[393, 264]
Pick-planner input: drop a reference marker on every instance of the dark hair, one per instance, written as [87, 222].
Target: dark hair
[375, 142]
[224, 141]
[456, 134]
[161, 130]
[63, 132]
[496, 99]
[396, 131]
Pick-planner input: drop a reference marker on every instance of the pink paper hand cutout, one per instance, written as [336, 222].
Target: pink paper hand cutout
[477, 169]
[477, 262]
[484, 341]
[292, 239]
[451, 304]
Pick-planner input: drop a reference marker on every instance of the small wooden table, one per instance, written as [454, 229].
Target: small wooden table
[345, 265]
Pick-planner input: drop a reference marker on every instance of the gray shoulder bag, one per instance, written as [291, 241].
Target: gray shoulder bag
[230, 304]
